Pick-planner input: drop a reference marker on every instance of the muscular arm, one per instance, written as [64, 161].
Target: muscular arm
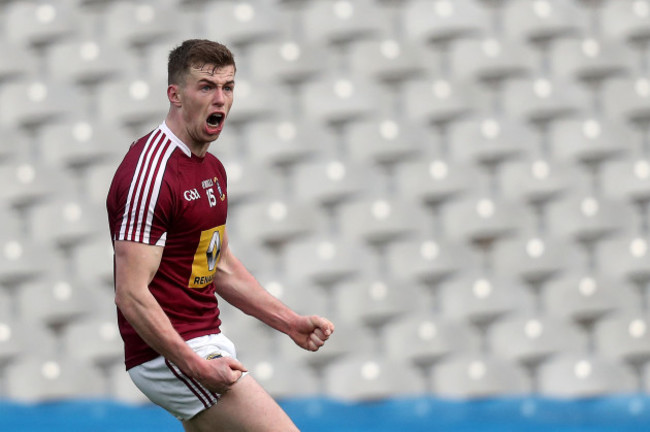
[235, 284]
[135, 266]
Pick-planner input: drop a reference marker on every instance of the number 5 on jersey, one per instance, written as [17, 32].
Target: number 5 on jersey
[206, 257]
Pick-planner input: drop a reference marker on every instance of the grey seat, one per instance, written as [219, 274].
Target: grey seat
[472, 376]
[584, 375]
[365, 377]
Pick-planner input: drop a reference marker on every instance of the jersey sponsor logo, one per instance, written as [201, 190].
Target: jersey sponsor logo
[206, 257]
[191, 195]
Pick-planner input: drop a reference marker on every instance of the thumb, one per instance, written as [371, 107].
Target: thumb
[235, 364]
[322, 323]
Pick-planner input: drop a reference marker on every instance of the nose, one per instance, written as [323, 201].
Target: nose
[219, 97]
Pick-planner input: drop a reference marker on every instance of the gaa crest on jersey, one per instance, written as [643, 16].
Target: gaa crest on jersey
[206, 257]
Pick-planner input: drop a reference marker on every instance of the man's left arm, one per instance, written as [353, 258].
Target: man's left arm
[235, 284]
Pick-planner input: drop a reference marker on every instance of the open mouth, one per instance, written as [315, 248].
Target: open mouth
[215, 120]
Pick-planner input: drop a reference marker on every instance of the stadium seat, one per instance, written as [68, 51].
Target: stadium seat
[584, 375]
[537, 258]
[375, 302]
[93, 260]
[67, 224]
[134, 102]
[591, 139]
[56, 302]
[472, 376]
[489, 140]
[543, 99]
[347, 341]
[302, 295]
[385, 141]
[587, 218]
[436, 181]
[141, 23]
[531, 339]
[537, 181]
[482, 219]
[590, 59]
[252, 338]
[275, 222]
[290, 61]
[282, 379]
[627, 178]
[480, 299]
[440, 100]
[80, 143]
[35, 102]
[390, 61]
[544, 21]
[40, 24]
[282, 142]
[424, 339]
[324, 259]
[17, 258]
[22, 62]
[367, 377]
[626, 256]
[102, 344]
[624, 336]
[626, 21]
[380, 221]
[39, 378]
[444, 21]
[430, 260]
[89, 62]
[586, 298]
[626, 99]
[342, 22]
[491, 59]
[246, 180]
[331, 181]
[257, 99]
[26, 184]
[339, 99]
[242, 23]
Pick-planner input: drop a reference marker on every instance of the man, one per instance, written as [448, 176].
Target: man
[167, 209]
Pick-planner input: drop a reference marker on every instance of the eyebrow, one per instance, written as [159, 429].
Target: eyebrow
[207, 81]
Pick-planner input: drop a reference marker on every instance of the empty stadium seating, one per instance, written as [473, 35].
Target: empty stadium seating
[461, 186]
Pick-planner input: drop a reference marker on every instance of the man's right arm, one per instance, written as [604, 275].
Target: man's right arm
[135, 266]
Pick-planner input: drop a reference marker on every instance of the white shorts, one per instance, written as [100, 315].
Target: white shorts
[166, 385]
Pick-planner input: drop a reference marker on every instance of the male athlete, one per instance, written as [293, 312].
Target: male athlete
[167, 209]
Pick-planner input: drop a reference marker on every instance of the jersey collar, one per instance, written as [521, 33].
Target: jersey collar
[180, 144]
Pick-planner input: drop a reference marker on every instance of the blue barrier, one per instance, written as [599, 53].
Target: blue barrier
[611, 414]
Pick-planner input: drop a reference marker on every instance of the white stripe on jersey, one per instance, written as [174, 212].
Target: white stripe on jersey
[129, 200]
[141, 185]
[144, 202]
[155, 193]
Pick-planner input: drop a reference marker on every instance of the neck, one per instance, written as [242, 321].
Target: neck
[176, 125]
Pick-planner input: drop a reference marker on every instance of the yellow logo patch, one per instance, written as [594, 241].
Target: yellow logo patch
[206, 257]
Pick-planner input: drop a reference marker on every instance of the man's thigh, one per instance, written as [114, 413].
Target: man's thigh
[246, 407]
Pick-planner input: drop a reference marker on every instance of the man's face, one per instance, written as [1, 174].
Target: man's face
[206, 99]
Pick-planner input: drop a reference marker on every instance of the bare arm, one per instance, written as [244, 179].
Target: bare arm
[135, 266]
[235, 284]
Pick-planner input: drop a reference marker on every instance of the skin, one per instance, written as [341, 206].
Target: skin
[205, 91]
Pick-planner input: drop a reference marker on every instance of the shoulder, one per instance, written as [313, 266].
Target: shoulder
[211, 158]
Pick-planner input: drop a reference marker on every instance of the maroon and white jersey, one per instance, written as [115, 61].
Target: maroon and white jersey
[163, 195]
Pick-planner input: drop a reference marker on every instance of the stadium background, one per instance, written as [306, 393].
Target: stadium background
[461, 186]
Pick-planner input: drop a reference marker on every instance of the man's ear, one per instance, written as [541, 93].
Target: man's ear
[174, 95]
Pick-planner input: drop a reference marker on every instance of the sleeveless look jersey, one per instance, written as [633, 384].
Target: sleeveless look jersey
[165, 196]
